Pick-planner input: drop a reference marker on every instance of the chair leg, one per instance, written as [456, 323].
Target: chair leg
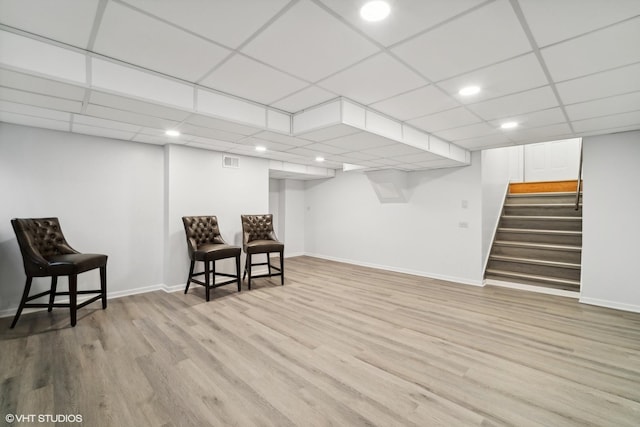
[54, 288]
[193, 263]
[73, 297]
[238, 273]
[103, 286]
[282, 268]
[245, 267]
[248, 270]
[25, 295]
[206, 279]
[269, 262]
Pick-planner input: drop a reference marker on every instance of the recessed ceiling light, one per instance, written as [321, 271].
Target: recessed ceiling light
[172, 132]
[261, 148]
[375, 11]
[469, 90]
[509, 125]
[319, 159]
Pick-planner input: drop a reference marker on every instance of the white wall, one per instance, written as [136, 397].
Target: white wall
[294, 216]
[346, 221]
[108, 195]
[611, 229]
[274, 204]
[197, 184]
[496, 169]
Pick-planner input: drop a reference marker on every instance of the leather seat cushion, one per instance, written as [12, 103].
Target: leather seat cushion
[210, 252]
[263, 246]
[62, 265]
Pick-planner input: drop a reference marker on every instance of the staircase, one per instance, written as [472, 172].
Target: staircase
[539, 239]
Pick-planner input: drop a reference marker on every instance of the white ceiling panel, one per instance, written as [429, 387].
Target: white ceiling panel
[215, 123]
[310, 43]
[38, 122]
[540, 134]
[394, 151]
[516, 104]
[325, 148]
[419, 102]
[608, 83]
[415, 158]
[330, 132]
[375, 78]
[482, 37]
[547, 117]
[44, 101]
[40, 85]
[79, 119]
[136, 38]
[407, 17]
[128, 104]
[303, 99]
[455, 117]
[247, 78]
[129, 117]
[465, 132]
[66, 21]
[29, 110]
[605, 49]
[514, 75]
[607, 122]
[552, 20]
[227, 22]
[612, 105]
[269, 145]
[483, 142]
[283, 139]
[209, 133]
[100, 131]
[360, 141]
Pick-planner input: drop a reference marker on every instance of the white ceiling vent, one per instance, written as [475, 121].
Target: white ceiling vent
[230, 162]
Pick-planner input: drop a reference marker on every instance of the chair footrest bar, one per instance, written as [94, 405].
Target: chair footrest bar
[266, 275]
[215, 285]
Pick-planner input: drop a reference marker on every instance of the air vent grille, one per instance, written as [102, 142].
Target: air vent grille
[230, 162]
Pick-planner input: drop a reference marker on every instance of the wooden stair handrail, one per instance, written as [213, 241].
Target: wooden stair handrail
[578, 187]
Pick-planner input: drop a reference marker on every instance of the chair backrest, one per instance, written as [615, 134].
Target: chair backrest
[201, 230]
[39, 238]
[257, 227]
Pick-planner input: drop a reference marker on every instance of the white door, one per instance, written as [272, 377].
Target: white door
[552, 161]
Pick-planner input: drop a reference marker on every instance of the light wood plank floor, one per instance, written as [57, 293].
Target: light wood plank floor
[337, 345]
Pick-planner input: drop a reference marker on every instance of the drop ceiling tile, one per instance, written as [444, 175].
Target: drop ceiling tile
[552, 21]
[306, 152]
[38, 122]
[604, 107]
[269, 145]
[227, 22]
[407, 17]
[325, 148]
[360, 141]
[482, 37]
[129, 117]
[283, 139]
[466, 132]
[103, 132]
[617, 120]
[29, 110]
[26, 82]
[309, 43]
[609, 131]
[249, 79]
[519, 103]
[339, 158]
[79, 119]
[66, 21]
[373, 79]
[303, 99]
[514, 75]
[358, 156]
[221, 145]
[484, 142]
[415, 158]
[394, 150]
[215, 123]
[540, 134]
[330, 132]
[153, 139]
[445, 120]
[605, 49]
[136, 38]
[37, 100]
[209, 133]
[601, 85]
[129, 104]
[536, 119]
[419, 102]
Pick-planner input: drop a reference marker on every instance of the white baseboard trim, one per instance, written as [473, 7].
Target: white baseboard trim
[294, 254]
[610, 304]
[533, 288]
[461, 280]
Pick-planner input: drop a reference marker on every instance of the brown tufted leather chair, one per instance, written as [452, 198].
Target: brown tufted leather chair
[258, 237]
[205, 244]
[46, 253]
